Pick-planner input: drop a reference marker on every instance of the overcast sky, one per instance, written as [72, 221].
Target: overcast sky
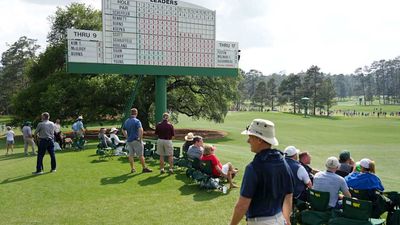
[274, 35]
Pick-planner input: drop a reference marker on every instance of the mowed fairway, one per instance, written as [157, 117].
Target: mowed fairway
[88, 191]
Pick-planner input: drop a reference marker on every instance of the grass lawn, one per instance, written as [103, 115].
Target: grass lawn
[88, 191]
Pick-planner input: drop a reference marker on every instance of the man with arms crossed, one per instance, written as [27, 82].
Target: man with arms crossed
[133, 131]
[165, 132]
[45, 132]
[267, 187]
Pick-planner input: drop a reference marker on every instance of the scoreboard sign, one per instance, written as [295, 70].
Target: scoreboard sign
[158, 33]
[85, 46]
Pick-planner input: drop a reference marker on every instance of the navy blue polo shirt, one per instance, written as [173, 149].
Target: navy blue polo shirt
[267, 180]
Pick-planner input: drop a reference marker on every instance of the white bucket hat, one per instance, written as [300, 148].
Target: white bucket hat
[291, 151]
[80, 118]
[189, 136]
[263, 129]
[113, 129]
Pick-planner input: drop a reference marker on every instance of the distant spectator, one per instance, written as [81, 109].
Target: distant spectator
[165, 132]
[58, 134]
[305, 160]
[329, 181]
[104, 140]
[366, 179]
[28, 138]
[188, 142]
[9, 139]
[114, 137]
[78, 128]
[218, 170]
[196, 150]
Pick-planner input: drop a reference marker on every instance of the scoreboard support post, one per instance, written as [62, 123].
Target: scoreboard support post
[161, 97]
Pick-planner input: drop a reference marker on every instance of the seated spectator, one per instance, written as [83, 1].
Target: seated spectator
[104, 140]
[366, 179]
[218, 170]
[196, 150]
[305, 161]
[301, 179]
[188, 142]
[329, 181]
[346, 163]
[114, 137]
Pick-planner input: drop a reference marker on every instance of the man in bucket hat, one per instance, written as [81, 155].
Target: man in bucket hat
[267, 186]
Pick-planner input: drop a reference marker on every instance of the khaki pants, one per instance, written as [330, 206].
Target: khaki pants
[270, 220]
[27, 142]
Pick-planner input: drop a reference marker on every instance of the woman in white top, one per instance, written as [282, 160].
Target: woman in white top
[117, 142]
[10, 139]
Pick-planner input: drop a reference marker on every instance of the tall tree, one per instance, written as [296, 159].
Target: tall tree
[312, 82]
[327, 94]
[15, 60]
[260, 94]
[289, 89]
[271, 91]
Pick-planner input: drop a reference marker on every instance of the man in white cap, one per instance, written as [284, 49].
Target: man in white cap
[78, 128]
[301, 178]
[267, 187]
[329, 181]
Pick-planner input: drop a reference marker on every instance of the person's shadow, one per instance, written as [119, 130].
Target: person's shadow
[18, 178]
[116, 180]
[153, 180]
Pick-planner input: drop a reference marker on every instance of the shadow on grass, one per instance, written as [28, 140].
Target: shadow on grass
[18, 178]
[192, 188]
[117, 180]
[15, 156]
[153, 180]
[99, 160]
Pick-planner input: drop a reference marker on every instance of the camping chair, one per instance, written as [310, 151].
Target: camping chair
[380, 203]
[103, 151]
[78, 143]
[148, 149]
[393, 215]
[320, 212]
[355, 212]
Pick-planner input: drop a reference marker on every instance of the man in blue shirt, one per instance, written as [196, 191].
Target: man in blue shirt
[267, 187]
[133, 131]
[78, 128]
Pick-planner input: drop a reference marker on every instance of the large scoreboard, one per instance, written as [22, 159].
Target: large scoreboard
[154, 32]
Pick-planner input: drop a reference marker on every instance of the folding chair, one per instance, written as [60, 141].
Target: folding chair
[320, 212]
[380, 203]
[356, 212]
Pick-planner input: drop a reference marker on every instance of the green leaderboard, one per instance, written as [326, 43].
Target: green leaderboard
[153, 37]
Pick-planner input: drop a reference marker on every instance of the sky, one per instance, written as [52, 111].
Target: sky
[275, 36]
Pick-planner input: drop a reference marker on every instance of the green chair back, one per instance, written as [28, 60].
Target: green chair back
[177, 152]
[356, 209]
[319, 200]
[207, 167]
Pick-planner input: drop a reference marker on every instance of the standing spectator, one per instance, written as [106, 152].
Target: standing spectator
[188, 142]
[218, 170]
[10, 139]
[58, 134]
[301, 178]
[196, 150]
[329, 181]
[78, 128]
[267, 188]
[165, 132]
[28, 138]
[45, 132]
[133, 131]
[305, 160]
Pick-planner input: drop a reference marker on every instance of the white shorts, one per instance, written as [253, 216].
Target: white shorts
[225, 169]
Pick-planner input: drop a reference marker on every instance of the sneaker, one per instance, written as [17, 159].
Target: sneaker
[133, 170]
[146, 170]
[53, 171]
[171, 171]
[37, 173]
[162, 171]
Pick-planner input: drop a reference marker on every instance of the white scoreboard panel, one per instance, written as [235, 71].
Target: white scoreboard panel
[158, 32]
[226, 54]
[85, 46]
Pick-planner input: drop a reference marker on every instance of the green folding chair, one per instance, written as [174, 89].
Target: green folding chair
[380, 203]
[319, 212]
[357, 212]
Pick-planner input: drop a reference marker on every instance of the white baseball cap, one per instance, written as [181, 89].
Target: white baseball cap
[291, 151]
[365, 163]
[332, 163]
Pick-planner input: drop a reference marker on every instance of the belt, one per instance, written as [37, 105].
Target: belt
[264, 218]
[46, 139]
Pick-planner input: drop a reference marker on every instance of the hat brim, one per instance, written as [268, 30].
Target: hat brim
[273, 141]
[188, 139]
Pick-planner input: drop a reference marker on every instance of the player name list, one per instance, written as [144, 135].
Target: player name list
[158, 32]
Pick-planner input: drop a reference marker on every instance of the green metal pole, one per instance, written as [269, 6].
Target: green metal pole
[161, 97]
